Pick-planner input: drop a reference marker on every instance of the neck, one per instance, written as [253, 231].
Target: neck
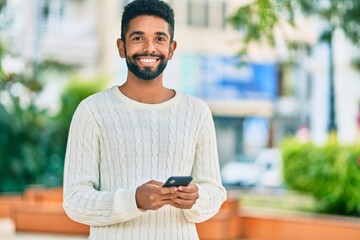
[150, 91]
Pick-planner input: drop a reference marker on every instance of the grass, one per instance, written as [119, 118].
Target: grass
[281, 200]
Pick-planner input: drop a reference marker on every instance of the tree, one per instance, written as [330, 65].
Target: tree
[25, 137]
[32, 138]
[259, 19]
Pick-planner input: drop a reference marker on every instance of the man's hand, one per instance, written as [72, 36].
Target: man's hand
[152, 196]
[185, 196]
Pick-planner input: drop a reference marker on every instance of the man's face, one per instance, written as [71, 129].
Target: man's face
[147, 46]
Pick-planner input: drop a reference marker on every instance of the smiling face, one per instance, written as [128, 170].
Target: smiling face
[147, 46]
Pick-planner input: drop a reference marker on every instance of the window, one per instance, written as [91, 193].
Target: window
[206, 13]
[216, 14]
[198, 13]
[52, 14]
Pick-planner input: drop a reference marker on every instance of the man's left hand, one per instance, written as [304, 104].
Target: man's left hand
[186, 196]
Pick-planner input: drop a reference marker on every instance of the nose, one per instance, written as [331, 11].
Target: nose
[149, 47]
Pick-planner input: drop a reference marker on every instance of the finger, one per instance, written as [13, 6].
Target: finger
[167, 190]
[184, 201]
[160, 203]
[190, 188]
[168, 196]
[183, 204]
[187, 196]
[159, 200]
[157, 188]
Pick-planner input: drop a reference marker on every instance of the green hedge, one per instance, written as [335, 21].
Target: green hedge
[33, 138]
[33, 141]
[330, 173]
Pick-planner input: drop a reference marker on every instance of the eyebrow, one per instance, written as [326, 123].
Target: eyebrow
[136, 33]
[162, 34]
[142, 33]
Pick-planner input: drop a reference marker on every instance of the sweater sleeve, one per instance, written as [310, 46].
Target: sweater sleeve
[83, 201]
[206, 174]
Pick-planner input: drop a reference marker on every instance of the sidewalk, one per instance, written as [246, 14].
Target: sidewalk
[7, 232]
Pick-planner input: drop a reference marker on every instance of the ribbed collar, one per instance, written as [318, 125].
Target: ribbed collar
[148, 106]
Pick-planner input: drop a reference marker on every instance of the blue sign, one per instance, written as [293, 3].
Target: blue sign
[224, 77]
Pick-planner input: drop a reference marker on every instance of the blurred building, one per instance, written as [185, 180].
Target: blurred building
[254, 105]
[61, 30]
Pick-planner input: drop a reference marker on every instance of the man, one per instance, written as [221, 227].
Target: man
[126, 141]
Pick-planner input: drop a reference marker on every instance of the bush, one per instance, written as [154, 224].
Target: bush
[22, 128]
[58, 126]
[22, 159]
[32, 139]
[330, 173]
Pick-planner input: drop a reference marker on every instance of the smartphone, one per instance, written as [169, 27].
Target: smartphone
[176, 181]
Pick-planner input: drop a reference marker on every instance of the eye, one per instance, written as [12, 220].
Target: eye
[138, 38]
[160, 39]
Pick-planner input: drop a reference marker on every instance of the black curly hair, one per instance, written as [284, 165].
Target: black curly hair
[147, 7]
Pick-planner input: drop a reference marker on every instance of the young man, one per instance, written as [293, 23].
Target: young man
[126, 141]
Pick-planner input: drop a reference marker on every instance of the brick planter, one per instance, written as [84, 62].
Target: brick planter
[261, 224]
[47, 217]
[43, 195]
[225, 225]
[40, 210]
[7, 203]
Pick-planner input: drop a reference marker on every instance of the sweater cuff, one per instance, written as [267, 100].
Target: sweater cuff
[125, 203]
[200, 210]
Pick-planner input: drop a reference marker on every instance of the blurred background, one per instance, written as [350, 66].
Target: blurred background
[282, 79]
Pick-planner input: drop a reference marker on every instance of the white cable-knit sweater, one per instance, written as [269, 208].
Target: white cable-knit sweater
[116, 144]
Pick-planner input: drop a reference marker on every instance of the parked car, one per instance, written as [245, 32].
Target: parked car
[271, 162]
[263, 170]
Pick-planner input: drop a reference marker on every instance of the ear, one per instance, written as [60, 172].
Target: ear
[172, 49]
[121, 47]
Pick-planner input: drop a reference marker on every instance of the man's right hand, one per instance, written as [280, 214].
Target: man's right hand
[152, 196]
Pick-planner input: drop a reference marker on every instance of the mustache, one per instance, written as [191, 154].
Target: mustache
[162, 57]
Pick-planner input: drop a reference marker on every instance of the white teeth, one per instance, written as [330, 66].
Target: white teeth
[147, 60]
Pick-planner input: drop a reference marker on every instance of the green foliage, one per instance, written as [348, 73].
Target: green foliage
[356, 63]
[255, 22]
[21, 158]
[33, 141]
[330, 173]
[22, 128]
[258, 19]
[58, 125]
[350, 21]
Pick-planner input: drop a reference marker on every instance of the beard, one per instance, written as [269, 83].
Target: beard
[145, 73]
